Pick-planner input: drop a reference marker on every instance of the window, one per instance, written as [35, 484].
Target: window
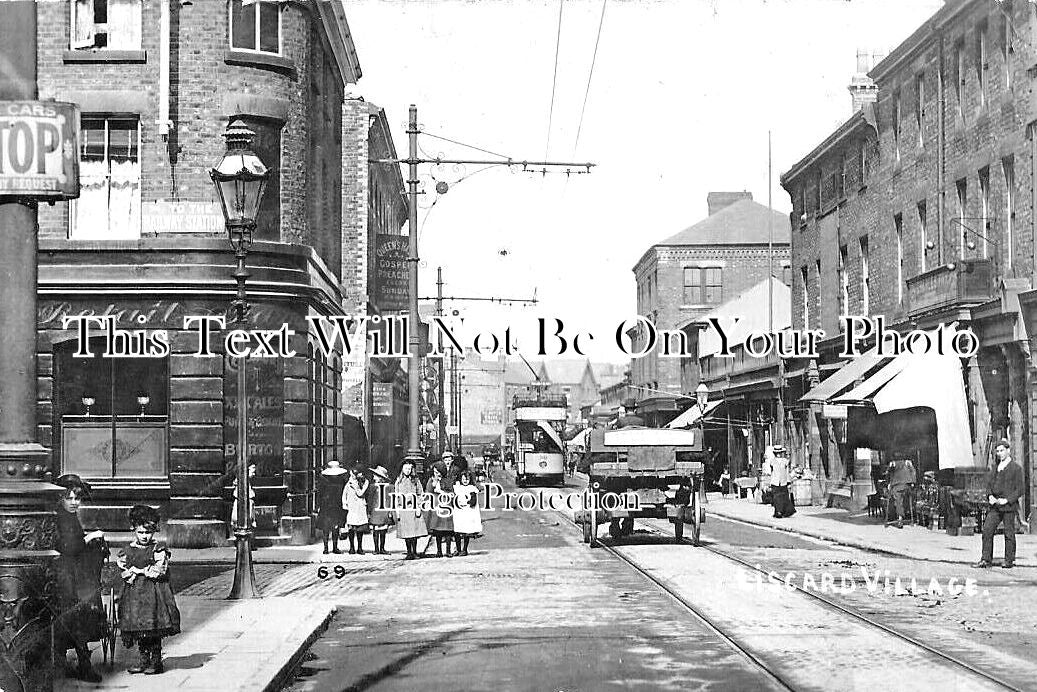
[844, 283]
[920, 107]
[840, 191]
[786, 274]
[924, 239]
[981, 61]
[1008, 167]
[112, 24]
[865, 279]
[123, 433]
[804, 282]
[959, 78]
[255, 25]
[898, 229]
[703, 285]
[984, 210]
[817, 190]
[962, 189]
[108, 207]
[268, 147]
[896, 126]
[862, 163]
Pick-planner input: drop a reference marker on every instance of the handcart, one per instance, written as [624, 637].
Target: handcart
[111, 589]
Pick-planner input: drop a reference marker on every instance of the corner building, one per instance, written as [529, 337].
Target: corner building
[158, 82]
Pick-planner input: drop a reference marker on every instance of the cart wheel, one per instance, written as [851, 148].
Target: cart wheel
[678, 530]
[110, 636]
[587, 531]
[696, 527]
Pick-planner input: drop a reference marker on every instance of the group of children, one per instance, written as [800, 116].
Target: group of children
[351, 500]
[147, 609]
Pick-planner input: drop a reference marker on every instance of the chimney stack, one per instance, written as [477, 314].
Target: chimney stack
[862, 88]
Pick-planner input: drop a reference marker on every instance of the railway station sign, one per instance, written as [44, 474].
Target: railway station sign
[39, 153]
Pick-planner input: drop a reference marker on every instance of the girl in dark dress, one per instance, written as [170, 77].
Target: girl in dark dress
[439, 519]
[80, 618]
[331, 516]
[147, 610]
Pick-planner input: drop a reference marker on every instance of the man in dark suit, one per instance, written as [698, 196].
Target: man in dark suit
[1005, 486]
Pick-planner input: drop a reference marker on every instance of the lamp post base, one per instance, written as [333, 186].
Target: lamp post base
[244, 573]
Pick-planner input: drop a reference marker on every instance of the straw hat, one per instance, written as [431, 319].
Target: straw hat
[380, 472]
[333, 469]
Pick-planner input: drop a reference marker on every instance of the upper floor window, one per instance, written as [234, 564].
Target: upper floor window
[703, 285]
[865, 276]
[1007, 29]
[959, 78]
[108, 207]
[981, 61]
[896, 126]
[255, 25]
[112, 24]
[920, 107]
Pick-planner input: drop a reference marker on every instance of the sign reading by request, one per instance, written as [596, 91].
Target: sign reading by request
[39, 154]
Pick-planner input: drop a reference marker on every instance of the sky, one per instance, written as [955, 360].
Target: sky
[681, 99]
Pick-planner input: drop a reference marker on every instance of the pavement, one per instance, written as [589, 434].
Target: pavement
[251, 645]
[858, 530]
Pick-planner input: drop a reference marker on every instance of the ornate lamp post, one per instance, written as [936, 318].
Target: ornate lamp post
[240, 179]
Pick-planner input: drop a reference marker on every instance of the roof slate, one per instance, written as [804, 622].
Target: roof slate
[740, 223]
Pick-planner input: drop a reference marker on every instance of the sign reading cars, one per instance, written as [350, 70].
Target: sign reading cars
[39, 154]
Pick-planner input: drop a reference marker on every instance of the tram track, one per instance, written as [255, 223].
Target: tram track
[821, 598]
[772, 672]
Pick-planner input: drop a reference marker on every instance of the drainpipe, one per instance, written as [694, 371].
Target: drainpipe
[163, 121]
[941, 153]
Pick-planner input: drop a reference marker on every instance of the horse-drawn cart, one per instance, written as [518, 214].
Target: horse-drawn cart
[663, 468]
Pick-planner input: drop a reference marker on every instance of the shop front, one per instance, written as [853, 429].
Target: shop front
[160, 425]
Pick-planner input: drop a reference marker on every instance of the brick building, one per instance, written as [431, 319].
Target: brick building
[374, 212]
[686, 275]
[573, 379]
[157, 83]
[920, 208]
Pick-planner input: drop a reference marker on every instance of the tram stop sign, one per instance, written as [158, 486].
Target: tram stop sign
[39, 156]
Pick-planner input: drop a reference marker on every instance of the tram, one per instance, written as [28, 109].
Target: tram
[537, 445]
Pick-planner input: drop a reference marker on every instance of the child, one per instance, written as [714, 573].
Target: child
[439, 519]
[354, 500]
[147, 610]
[380, 517]
[467, 520]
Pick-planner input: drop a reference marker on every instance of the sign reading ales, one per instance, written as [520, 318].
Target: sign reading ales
[39, 156]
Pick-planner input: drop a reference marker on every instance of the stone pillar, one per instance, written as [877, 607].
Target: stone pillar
[28, 526]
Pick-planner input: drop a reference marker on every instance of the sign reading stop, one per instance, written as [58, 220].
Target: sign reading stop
[39, 155]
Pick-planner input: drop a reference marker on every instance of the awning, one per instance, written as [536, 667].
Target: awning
[933, 381]
[580, 438]
[692, 415]
[844, 377]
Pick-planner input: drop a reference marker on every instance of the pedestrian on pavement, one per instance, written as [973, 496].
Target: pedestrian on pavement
[902, 478]
[439, 519]
[147, 608]
[80, 616]
[410, 524]
[354, 501]
[379, 515]
[1005, 485]
[725, 481]
[331, 516]
[467, 520]
[780, 497]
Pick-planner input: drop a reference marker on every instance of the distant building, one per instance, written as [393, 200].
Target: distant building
[573, 378]
[692, 272]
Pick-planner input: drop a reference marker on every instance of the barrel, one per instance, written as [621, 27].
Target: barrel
[801, 492]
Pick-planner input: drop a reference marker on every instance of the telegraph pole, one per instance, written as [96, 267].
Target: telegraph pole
[780, 428]
[414, 318]
[442, 370]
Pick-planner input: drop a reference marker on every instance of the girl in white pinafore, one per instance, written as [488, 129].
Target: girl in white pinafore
[467, 519]
[354, 501]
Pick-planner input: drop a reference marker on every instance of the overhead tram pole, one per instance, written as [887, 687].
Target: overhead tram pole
[780, 428]
[414, 454]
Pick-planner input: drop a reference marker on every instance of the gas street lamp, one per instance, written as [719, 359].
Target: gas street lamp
[240, 178]
[702, 397]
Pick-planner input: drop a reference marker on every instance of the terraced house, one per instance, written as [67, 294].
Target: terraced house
[920, 208]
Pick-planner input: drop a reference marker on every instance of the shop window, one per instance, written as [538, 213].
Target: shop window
[255, 25]
[108, 207]
[111, 414]
[111, 24]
